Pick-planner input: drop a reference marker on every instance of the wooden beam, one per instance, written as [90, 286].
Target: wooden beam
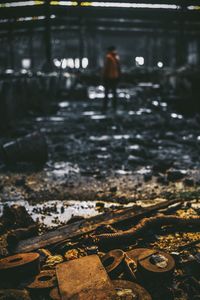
[115, 217]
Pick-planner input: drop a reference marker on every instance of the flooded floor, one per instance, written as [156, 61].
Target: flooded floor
[145, 151]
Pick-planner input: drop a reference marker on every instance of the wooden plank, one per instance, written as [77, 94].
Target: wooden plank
[86, 226]
[84, 278]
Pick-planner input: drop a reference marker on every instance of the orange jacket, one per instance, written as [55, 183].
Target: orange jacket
[111, 66]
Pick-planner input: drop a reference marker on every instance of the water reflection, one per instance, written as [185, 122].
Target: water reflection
[61, 169]
[133, 147]
[48, 212]
[53, 119]
[100, 156]
[176, 116]
[88, 113]
[98, 93]
[63, 104]
[99, 138]
[122, 136]
[123, 172]
[98, 117]
[155, 103]
[144, 170]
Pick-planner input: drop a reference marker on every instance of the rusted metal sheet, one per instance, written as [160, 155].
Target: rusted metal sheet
[135, 253]
[155, 264]
[19, 266]
[89, 225]
[84, 278]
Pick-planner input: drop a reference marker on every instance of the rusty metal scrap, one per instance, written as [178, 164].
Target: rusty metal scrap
[176, 242]
[113, 262]
[44, 280]
[52, 261]
[144, 225]
[19, 266]
[155, 264]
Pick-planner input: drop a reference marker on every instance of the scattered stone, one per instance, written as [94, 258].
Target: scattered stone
[52, 261]
[74, 254]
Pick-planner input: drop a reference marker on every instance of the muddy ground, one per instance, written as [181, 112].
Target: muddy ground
[144, 152]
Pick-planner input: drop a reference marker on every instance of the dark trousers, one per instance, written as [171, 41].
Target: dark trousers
[110, 85]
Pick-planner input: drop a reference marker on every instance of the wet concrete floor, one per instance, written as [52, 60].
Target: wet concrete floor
[145, 151]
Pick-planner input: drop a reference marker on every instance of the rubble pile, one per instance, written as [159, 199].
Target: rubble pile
[160, 259]
[145, 180]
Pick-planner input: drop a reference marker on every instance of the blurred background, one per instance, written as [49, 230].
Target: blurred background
[51, 60]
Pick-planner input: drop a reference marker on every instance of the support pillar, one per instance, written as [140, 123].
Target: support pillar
[11, 61]
[48, 46]
[81, 40]
[31, 49]
[180, 41]
[165, 45]
[155, 49]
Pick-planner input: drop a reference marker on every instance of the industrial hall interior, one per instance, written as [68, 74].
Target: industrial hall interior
[99, 150]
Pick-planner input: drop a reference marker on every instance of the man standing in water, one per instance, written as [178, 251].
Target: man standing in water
[111, 75]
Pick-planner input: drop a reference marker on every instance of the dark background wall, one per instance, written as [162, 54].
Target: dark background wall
[153, 46]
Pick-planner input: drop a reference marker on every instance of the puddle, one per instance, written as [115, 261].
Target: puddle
[98, 117]
[63, 104]
[99, 138]
[123, 172]
[155, 103]
[103, 156]
[103, 149]
[148, 203]
[62, 169]
[53, 213]
[131, 112]
[142, 111]
[88, 113]
[53, 119]
[123, 136]
[145, 84]
[144, 170]
[56, 212]
[133, 147]
[176, 116]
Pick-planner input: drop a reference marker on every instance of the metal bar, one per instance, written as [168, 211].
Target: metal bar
[84, 227]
